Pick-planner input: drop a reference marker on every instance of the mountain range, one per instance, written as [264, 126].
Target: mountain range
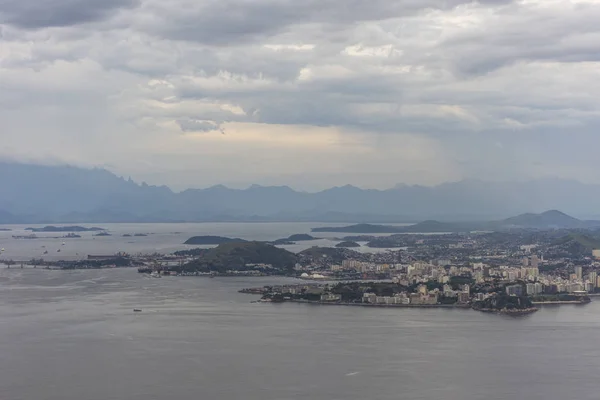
[551, 219]
[65, 194]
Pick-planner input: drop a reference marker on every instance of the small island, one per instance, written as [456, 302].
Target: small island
[140, 235]
[103, 234]
[347, 244]
[212, 240]
[301, 237]
[75, 228]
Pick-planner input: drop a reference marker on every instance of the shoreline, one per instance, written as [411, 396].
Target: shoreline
[325, 303]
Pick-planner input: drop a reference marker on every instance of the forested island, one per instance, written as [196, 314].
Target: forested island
[212, 240]
[347, 244]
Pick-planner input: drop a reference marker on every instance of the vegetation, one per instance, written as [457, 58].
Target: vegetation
[348, 243]
[300, 237]
[237, 256]
[328, 254]
[502, 302]
[208, 240]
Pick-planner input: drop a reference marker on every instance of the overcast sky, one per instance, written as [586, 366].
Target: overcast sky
[308, 93]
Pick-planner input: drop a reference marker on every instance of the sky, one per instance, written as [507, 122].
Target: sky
[305, 93]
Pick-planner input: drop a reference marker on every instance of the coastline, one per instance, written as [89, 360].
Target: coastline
[326, 303]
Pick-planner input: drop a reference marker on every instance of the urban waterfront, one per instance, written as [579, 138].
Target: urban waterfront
[70, 335]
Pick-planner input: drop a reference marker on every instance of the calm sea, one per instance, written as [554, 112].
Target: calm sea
[162, 238]
[72, 335]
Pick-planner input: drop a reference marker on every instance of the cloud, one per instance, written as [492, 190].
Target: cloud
[370, 93]
[34, 14]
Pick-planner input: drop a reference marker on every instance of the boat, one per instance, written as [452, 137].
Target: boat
[137, 310]
[58, 251]
[155, 274]
[46, 252]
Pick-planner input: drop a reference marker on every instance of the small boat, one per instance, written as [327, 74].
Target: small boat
[46, 252]
[137, 310]
[155, 275]
[58, 251]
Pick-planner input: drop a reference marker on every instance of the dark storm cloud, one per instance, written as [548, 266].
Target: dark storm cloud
[36, 14]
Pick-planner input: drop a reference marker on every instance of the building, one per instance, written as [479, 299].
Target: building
[463, 297]
[514, 290]
[331, 297]
[596, 254]
[534, 261]
[579, 272]
[534, 289]
[593, 278]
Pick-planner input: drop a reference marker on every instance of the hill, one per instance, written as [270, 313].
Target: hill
[300, 237]
[237, 256]
[545, 220]
[211, 240]
[347, 244]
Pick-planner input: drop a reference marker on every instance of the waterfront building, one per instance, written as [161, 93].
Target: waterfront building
[514, 290]
[593, 278]
[579, 272]
[534, 289]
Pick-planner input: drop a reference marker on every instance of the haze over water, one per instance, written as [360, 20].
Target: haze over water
[72, 335]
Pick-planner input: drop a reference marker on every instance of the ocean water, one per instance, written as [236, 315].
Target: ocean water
[72, 335]
[161, 238]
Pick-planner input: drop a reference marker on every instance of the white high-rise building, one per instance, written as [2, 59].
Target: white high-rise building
[579, 272]
[593, 278]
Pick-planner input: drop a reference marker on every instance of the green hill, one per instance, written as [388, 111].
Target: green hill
[237, 255]
[212, 240]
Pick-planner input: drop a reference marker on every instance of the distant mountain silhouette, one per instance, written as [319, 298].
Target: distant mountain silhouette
[64, 194]
[547, 220]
